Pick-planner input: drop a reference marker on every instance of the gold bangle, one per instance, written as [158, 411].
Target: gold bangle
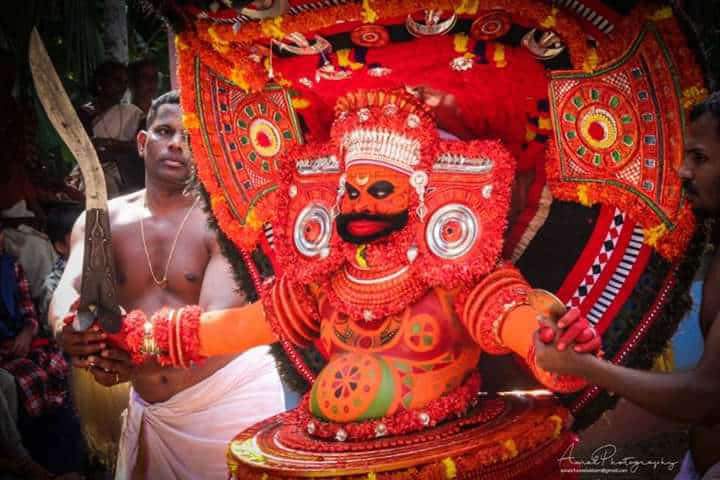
[178, 339]
[546, 303]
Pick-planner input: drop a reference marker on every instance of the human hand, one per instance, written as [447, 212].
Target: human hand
[81, 344]
[561, 362]
[22, 342]
[574, 328]
[111, 367]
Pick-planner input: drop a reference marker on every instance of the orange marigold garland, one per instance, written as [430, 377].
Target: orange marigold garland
[171, 336]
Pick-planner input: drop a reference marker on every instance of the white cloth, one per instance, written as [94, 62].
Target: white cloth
[119, 122]
[188, 435]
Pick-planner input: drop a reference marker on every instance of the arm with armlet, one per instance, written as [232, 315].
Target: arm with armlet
[188, 335]
[502, 314]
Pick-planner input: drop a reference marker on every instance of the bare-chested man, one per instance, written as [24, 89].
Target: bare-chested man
[179, 421]
[692, 396]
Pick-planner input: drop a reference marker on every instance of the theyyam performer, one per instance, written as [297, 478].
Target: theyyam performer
[391, 249]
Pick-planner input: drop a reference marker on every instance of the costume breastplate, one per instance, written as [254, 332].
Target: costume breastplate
[403, 360]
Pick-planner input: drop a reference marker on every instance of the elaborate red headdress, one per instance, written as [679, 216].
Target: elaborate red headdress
[458, 209]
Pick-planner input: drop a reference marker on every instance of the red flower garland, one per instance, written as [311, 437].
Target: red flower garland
[175, 333]
[482, 309]
[133, 334]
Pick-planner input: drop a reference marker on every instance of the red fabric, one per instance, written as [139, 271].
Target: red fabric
[26, 306]
[583, 264]
[625, 293]
[41, 376]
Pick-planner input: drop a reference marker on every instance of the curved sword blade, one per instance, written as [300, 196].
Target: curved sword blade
[62, 115]
[98, 293]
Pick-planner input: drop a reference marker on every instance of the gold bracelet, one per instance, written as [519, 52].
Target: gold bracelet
[546, 303]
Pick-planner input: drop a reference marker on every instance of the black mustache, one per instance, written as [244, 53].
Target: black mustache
[394, 222]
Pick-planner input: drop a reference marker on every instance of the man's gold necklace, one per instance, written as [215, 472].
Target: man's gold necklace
[162, 283]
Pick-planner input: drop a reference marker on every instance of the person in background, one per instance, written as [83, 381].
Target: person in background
[15, 183]
[691, 396]
[59, 226]
[112, 126]
[144, 83]
[15, 461]
[40, 373]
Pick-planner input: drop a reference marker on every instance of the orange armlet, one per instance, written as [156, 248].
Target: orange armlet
[485, 309]
[293, 311]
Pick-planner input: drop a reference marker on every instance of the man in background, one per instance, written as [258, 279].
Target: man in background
[691, 396]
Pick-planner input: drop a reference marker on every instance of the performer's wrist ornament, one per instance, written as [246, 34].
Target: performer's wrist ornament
[487, 305]
[554, 381]
[170, 335]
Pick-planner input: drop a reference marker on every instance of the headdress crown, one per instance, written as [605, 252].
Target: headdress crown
[383, 128]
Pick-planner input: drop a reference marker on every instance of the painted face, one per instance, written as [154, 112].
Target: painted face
[375, 203]
[700, 171]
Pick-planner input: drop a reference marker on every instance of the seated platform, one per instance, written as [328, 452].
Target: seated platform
[510, 436]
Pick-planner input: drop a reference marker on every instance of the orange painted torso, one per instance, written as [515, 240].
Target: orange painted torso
[404, 360]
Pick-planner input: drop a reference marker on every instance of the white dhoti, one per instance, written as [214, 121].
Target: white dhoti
[187, 436]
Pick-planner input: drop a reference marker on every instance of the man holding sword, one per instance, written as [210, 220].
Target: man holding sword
[178, 421]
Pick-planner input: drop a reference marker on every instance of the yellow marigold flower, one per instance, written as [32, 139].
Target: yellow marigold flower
[461, 42]
[550, 20]
[558, 425]
[511, 448]
[662, 14]
[583, 198]
[190, 120]
[468, 7]
[450, 468]
[368, 14]
[652, 235]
